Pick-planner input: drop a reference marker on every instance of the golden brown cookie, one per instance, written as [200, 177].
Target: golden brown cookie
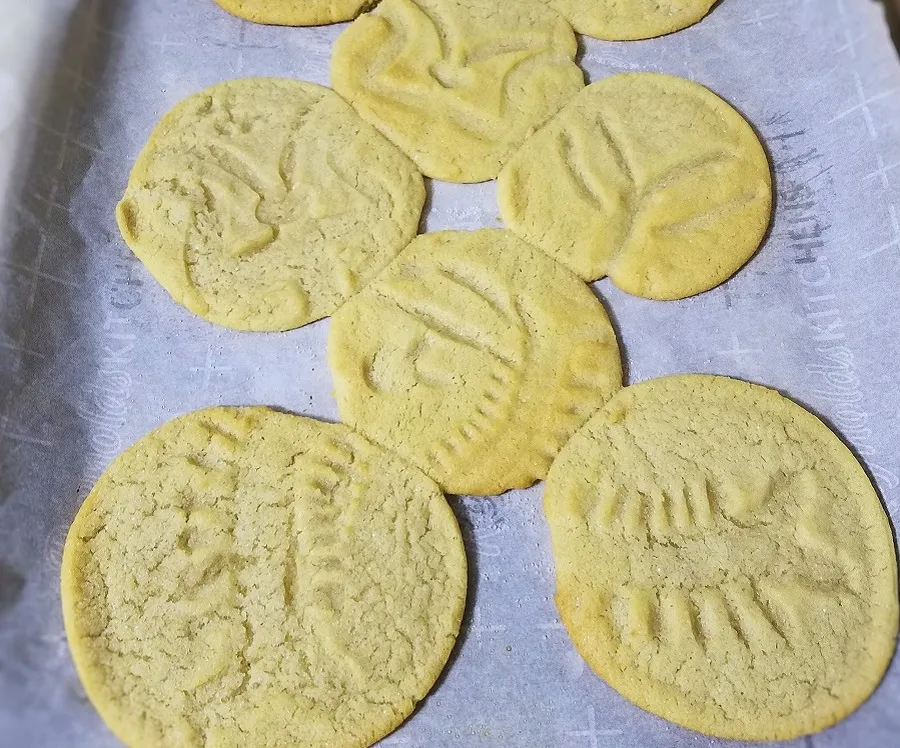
[242, 577]
[475, 357]
[722, 559]
[457, 84]
[650, 179]
[263, 204]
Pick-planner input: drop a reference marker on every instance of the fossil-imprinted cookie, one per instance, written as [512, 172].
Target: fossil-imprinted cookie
[650, 179]
[296, 12]
[246, 577]
[631, 19]
[722, 559]
[457, 84]
[475, 357]
[263, 204]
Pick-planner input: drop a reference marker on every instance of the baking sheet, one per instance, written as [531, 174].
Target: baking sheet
[93, 353]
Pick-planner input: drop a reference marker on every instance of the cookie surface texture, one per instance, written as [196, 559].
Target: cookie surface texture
[245, 577]
[475, 357]
[650, 179]
[263, 204]
[624, 20]
[722, 559]
[296, 12]
[457, 84]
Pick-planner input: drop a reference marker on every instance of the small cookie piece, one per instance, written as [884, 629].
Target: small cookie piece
[263, 204]
[618, 20]
[457, 84]
[247, 577]
[475, 357]
[650, 179]
[722, 559]
[296, 12]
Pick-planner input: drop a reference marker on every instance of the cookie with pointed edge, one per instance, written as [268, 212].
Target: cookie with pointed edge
[457, 84]
[650, 179]
[475, 357]
[616, 20]
[722, 559]
[263, 204]
[296, 12]
[247, 577]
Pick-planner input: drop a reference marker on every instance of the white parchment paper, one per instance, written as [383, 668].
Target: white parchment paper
[93, 353]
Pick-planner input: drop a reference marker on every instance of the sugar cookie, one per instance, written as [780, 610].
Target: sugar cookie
[631, 19]
[650, 179]
[296, 12]
[722, 559]
[247, 577]
[263, 204]
[475, 357]
[457, 84]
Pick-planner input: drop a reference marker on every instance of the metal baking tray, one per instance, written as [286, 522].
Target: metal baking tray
[93, 353]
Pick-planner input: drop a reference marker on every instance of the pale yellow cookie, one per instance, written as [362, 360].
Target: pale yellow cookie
[722, 559]
[631, 19]
[650, 179]
[475, 357]
[263, 204]
[242, 577]
[296, 12]
[457, 84]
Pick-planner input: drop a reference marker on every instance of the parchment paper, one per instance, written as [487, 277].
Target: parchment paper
[93, 353]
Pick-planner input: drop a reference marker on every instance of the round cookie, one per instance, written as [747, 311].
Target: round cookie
[650, 179]
[616, 20]
[475, 357]
[263, 204]
[247, 577]
[722, 559]
[296, 12]
[457, 84]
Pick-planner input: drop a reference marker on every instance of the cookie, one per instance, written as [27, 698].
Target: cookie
[296, 12]
[475, 357]
[247, 577]
[635, 19]
[457, 84]
[263, 204]
[650, 179]
[722, 559]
